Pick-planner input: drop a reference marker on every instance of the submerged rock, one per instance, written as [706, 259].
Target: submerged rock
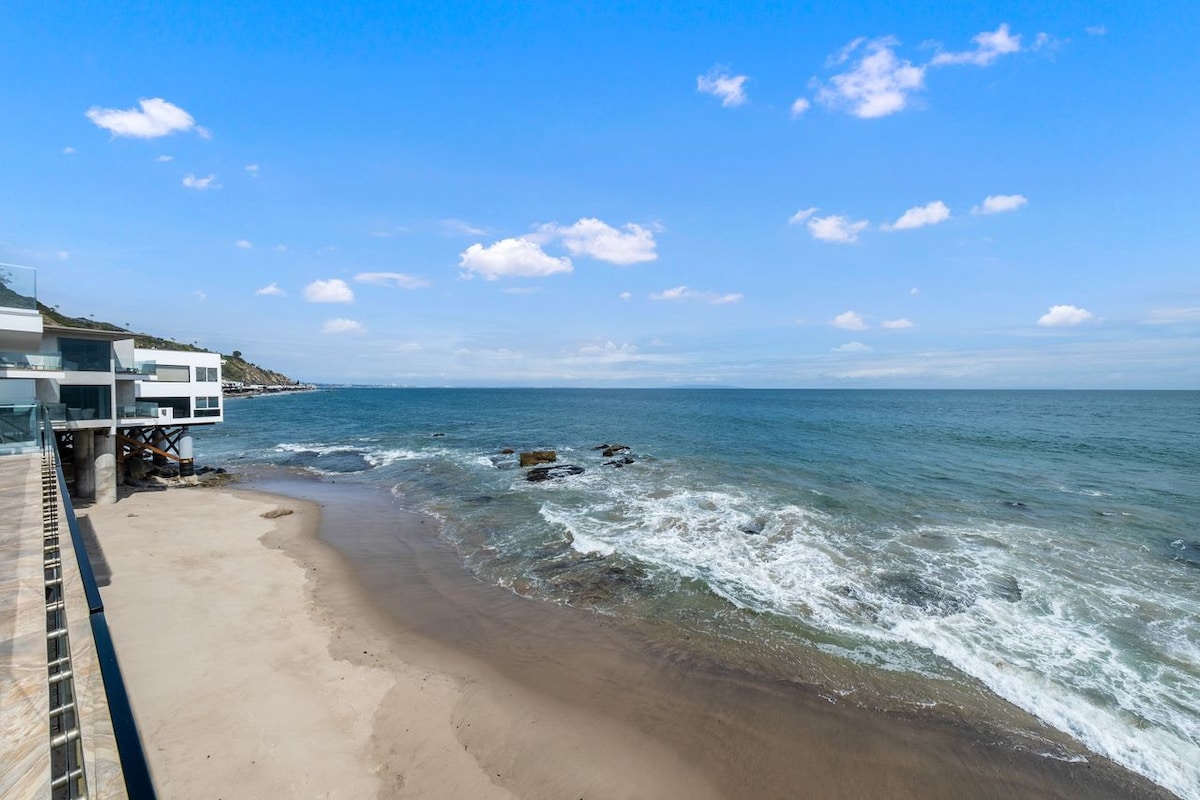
[1006, 588]
[909, 589]
[552, 473]
[1187, 553]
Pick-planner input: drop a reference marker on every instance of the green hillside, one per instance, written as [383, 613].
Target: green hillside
[235, 367]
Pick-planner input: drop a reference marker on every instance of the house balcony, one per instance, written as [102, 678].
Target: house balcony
[15, 364]
[138, 414]
[136, 370]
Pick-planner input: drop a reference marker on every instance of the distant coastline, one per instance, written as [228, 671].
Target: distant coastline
[253, 390]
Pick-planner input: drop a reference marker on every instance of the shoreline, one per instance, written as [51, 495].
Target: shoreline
[533, 699]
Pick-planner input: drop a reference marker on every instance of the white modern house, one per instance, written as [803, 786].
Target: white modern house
[105, 399]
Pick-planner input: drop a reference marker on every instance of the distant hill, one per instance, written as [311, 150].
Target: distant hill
[234, 366]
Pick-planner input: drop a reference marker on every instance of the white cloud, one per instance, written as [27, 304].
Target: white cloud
[280, 248]
[156, 118]
[801, 216]
[396, 280]
[200, 184]
[626, 295]
[720, 83]
[849, 321]
[921, 216]
[333, 290]
[1044, 42]
[896, 324]
[68, 151]
[252, 170]
[597, 239]
[836, 228]
[915, 292]
[1064, 317]
[200, 295]
[63, 255]
[163, 159]
[852, 347]
[340, 325]
[244, 244]
[610, 353]
[508, 258]
[843, 55]
[999, 203]
[270, 290]
[877, 85]
[1095, 30]
[799, 106]
[456, 227]
[989, 46]
[686, 294]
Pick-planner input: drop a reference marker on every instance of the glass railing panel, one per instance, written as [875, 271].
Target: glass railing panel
[18, 287]
[18, 425]
[11, 359]
[137, 410]
[136, 367]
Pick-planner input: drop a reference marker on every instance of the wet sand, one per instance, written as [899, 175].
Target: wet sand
[417, 680]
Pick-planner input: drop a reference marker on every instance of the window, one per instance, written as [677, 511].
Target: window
[180, 406]
[207, 374]
[174, 374]
[85, 355]
[86, 402]
[208, 406]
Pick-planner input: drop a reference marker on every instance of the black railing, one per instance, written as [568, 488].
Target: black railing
[129, 742]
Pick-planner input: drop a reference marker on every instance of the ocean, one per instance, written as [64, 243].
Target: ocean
[950, 550]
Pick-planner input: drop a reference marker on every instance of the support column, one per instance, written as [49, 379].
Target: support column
[85, 465]
[106, 468]
[187, 467]
[159, 440]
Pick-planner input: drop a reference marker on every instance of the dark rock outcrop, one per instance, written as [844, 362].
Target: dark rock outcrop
[619, 462]
[552, 473]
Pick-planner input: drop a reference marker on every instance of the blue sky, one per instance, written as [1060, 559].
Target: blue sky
[911, 195]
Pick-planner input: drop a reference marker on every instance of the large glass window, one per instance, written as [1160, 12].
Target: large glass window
[86, 402]
[85, 355]
[207, 374]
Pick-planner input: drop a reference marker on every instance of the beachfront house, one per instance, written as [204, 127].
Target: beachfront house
[105, 399]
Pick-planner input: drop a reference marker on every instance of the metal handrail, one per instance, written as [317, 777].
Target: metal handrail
[134, 766]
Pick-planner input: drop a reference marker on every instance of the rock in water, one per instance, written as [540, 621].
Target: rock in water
[552, 473]
[538, 457]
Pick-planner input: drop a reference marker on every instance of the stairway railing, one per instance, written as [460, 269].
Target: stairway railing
[134, 766]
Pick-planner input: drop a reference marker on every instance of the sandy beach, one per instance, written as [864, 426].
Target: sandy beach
[341, 650]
